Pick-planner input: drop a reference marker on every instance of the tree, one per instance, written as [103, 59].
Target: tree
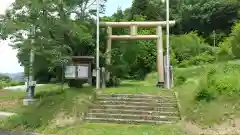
[205, 16]
[62, 28]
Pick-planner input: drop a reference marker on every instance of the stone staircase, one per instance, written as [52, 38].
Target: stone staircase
[125, 108]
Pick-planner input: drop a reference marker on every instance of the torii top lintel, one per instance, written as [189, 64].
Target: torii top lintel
[140, 24]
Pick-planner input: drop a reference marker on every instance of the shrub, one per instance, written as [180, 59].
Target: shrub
[235, 40]
[187, 46]
[224, 51]
[179, 80]
[113, 82]
[219, 81]
[203, 58]
[75, 83]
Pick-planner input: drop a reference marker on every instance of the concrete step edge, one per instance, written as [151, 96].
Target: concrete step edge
[127, 102]
[132, 106]
[128, 120]
[131, 115]
[139, 99]
[129, 111]
[135, 95]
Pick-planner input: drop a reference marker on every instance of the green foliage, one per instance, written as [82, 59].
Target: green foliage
[75, 83]
[201, 59]
[225, 50]
[190, 49]
[230, 46]
[5, 78]
[205, 16]
[179, 80]
[235, 40]
[220, 81]
[2, 84]
[51, 32]
[52, 101]
[113, 82]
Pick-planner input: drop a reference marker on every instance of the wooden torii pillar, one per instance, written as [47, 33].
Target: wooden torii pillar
[134, 36]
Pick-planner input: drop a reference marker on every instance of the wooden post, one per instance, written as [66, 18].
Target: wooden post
[89, 74]
[108, 51]
[103, 78]
[160, 66]
[133, 29]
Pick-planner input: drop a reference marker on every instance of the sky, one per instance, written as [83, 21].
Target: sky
[8, 60]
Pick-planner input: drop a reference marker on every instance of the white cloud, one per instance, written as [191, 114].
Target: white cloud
[8, 60]
[4, 4]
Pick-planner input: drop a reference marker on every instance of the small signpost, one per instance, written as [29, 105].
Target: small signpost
[80, 69]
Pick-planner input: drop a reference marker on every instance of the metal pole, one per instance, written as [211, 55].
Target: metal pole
[167, 45]
[97, 57]
[31, 76]
[214, 38]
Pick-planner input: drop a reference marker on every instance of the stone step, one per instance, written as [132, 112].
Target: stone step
[131, 116]
[135, 96]
[125, 107]
[152, 103]
[125, 121]
[160, 100]
[142, 112]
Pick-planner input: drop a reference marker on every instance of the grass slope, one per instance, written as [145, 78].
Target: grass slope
[54, 108]
[210, 94]
[61, 111]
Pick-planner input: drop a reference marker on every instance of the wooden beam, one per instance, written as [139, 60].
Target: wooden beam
[140, 24]
[138, 37]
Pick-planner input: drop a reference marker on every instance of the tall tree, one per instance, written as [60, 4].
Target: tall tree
[62, 28]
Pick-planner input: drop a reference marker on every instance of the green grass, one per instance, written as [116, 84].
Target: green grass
[61, 111]
[137, 87]
[12, 100]
[54, 108]
[218, 110]
[117, 129]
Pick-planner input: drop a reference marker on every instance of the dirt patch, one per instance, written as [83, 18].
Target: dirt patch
[7, 104]
[232, 127]
[63, 120]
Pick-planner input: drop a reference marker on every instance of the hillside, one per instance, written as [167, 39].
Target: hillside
[18, 77]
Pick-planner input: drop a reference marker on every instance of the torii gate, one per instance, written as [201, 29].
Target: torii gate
[134, 36]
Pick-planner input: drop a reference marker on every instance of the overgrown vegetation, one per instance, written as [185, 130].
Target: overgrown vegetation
[209, 94]
[54, 108]
[7, 81]
[207, 33]
[60, 36]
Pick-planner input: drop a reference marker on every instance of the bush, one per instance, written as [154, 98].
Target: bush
[113, 82]
[180, 80]
[220, 81]
[3, 84]
[235, 40]
[224, 51]
[203, 58]
[187, 46]
[75, 83]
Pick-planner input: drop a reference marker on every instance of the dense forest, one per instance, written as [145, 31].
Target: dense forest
[206, 31]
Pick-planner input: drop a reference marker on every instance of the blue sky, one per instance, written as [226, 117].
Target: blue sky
[8, 60]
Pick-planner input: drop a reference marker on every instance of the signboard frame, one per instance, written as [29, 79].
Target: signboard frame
[77, 61]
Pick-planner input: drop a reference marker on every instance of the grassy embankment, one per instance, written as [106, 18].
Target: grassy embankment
[208, 94]
[61, 111]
